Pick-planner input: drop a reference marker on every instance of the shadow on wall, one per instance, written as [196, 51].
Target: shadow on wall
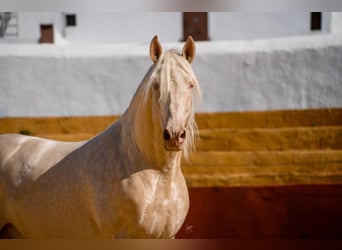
[300, 211]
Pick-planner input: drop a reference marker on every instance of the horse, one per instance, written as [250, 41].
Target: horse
[125, 182]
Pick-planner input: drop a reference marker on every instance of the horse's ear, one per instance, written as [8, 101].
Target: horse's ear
[155, 49]
[189, 49]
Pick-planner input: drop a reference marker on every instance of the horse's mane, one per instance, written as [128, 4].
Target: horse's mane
[165, 66]
[168, 67]
[171, 61]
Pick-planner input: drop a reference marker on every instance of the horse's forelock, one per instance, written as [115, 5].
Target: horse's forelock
[172, 63]
[169, 62]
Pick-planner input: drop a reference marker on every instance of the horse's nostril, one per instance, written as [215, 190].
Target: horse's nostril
[182, 134]
[166, 135]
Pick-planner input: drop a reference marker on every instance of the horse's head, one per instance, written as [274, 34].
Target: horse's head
[173, 85]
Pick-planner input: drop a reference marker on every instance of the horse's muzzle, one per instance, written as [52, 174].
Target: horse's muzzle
[173, 141]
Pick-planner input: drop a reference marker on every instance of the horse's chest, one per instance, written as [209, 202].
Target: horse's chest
[163, 217]
[157, 211]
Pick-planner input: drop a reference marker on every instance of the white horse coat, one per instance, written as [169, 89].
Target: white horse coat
[124, 183]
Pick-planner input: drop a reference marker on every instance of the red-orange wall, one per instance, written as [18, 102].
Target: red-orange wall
[300, 211]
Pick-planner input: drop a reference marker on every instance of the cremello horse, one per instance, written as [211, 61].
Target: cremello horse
[124, 183]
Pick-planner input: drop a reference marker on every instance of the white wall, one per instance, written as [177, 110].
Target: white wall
[138, 27]
[71, 80]
[252, 25]
[336, 22]
[125, 27]
[29, 27]
[283, 73]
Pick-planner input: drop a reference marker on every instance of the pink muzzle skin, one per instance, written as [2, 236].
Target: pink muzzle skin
[173, 141]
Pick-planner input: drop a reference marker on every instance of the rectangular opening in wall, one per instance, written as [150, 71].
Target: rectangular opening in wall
[316, 21]
[70, 20]
[46, 33]
[195, 24]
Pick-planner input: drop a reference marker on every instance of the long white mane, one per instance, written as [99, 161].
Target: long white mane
[171, 66]
[124, 182]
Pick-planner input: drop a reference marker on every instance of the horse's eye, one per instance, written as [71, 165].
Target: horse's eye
[191, 85]
[156, 86]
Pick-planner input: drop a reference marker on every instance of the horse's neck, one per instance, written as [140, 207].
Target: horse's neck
[143, 137]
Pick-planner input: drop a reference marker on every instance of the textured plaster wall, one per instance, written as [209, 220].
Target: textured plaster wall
[284, 73]
[290, 73]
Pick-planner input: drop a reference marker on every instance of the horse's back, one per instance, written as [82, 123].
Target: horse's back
[10, 145]
[24, 159]
[30, 156]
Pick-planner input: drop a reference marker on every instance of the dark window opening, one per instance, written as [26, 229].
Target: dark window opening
[316, 20]
[196, 25]
[46, 33]
[70, 20]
